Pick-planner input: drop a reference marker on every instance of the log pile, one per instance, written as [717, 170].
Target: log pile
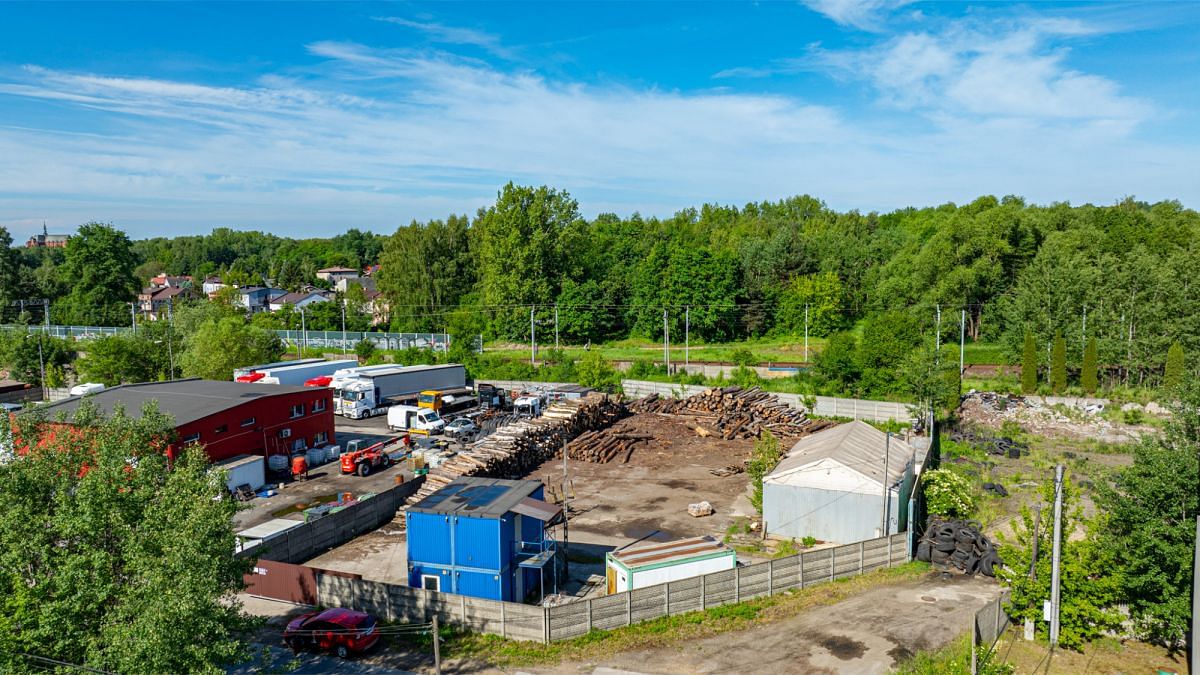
[735, 412]
[605, 445]
[512, 451]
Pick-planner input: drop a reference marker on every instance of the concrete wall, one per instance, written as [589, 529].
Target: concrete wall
[798, 512]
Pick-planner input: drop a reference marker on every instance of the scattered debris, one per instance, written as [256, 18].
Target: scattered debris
[996, 489]
[990, 443]
[1068, 418]
[959, 544]
[727, 470]
[736, 412]
[700, 509]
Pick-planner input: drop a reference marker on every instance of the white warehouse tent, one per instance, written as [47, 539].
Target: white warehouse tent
[830, 486]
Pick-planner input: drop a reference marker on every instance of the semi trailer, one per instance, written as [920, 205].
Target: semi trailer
[239, 372]
[369, 393]
[295, 374]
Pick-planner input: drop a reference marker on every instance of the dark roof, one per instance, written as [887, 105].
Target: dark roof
[293, 298]
[185, 400]
[477, 497]
[337, 269]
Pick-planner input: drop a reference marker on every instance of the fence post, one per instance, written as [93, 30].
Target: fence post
[737, 584]
[771, 577]
[801, 571]
[889, 552]
[861, 556]
[589, 614]
[462, 608]
[628, 608]
[546, 625]
[998, 622]
[703, 600]
[667, 598]
[503, 628]
[832, 561]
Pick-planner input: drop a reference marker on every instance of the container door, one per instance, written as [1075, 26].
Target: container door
[611, 575]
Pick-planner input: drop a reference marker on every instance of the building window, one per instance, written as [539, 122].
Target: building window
[248, 422]
[429, 582]
[221, 429]
[299, 446]
[318, 406]
[298, 410]
[320, 439]
[194, 438]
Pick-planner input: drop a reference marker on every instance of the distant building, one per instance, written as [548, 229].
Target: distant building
[211, 285]
[258, 298]
[299, 300]
[336, 274]
[344, 283]
[154, 301]
[47, 240]
[168, 280]
[377, 307]
[483, 537]
[831, 486]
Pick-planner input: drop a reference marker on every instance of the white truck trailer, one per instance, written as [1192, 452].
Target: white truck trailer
[239, 372]
[341, 378]
[296, 374]
[371, 393]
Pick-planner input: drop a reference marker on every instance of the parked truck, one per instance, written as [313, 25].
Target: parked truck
[239, 372]
[368, 393]
[449, 403]
[414, 420]
[492, 397]
[295, 374]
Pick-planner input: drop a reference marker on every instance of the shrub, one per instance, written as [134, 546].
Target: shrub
[767, 453]
[948, 494]
[1058, 364]
[364, 349]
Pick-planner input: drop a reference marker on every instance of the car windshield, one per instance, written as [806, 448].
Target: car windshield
[430, 417]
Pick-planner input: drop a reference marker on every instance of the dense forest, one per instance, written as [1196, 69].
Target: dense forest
[1118, 274]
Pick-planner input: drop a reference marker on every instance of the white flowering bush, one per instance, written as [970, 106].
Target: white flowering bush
[948, 494]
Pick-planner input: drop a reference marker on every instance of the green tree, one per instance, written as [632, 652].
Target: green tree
[9, 271]
[1174, 369]
[931, 385]
[25, 354]
[1058, 365]
[763, 460]
[889, 338]
[115, 359]
[593, 371]
[1029, 365]
[99, 265]
[220, 345]
[837, 362]
[820, 294]
[112, 558]
[364, 349]
[426, 269]
[1090, 583]
[948, 494]
[1089, 376]
[520, 246]
[1149, 530]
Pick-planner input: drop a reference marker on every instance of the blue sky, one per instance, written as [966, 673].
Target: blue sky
[309, 118]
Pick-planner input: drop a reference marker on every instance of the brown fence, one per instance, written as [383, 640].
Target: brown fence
[317, 536]
[561, 622]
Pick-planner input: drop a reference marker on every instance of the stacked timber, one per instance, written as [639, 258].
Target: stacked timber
[734, 411]
[514, 450]
[605, 445]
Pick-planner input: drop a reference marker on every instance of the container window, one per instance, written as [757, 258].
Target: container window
[430, 582]
[248, 422]
[194, 438]
[221, 429]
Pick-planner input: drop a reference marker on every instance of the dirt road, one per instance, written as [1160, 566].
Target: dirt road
[867, 633]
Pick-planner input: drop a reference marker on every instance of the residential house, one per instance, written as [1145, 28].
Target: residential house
[300, 299]
[377, 306]
[168, 280]
[155, 301]
[211, 285]
[336, 274]
[367, 283]
[841, 485]
[258, 298]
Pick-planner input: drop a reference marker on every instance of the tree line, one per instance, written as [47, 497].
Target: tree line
[1120, 275]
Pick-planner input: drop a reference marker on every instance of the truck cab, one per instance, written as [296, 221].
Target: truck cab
[528, 406]
[356, 400]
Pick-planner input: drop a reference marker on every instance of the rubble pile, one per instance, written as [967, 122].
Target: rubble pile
[735, 412]
[1068, 417]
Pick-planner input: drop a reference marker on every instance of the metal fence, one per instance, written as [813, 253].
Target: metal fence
[330, 339]
[317, 536]
[991, 621]
[562, 622]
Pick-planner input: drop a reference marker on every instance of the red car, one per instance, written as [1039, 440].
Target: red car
[342, 631]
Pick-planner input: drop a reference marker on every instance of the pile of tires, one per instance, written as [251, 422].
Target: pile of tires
[958, 544]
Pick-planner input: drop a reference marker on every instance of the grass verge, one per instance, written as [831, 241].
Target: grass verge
[669, 630]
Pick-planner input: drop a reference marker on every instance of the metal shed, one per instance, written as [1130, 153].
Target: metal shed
[830, 486]
[483, 537]
[657, 563]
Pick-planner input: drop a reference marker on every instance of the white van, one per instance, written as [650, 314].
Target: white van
[86, 388]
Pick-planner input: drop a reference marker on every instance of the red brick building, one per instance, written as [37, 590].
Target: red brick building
[228, 418]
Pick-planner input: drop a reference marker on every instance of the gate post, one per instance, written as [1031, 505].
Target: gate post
[832, 562]
[861, 556]
[737, 584]
[771, 577]
[703, 600]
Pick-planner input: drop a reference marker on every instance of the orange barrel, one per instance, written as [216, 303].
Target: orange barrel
[346, 496]
[299, 465]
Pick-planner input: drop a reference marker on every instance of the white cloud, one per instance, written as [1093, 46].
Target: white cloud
[454, 35]
[861, 14]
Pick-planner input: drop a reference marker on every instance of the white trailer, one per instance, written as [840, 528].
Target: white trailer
[296, 374]
[371, 393]
[343, 377]
[654, 563]
[239, 372]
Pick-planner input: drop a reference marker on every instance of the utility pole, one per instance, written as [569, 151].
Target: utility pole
[437, 648]
[887, 447]
[566, 511]
[133, 316]
[1195, 600]
[532, 340]
[962, 341]
[343, 326]
[806, 332]
[556, 327]
[687, 334]
[46, 312]
[42, 368]
[303, 332]
[1055, 577]
[937, 336]
[666, 343]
